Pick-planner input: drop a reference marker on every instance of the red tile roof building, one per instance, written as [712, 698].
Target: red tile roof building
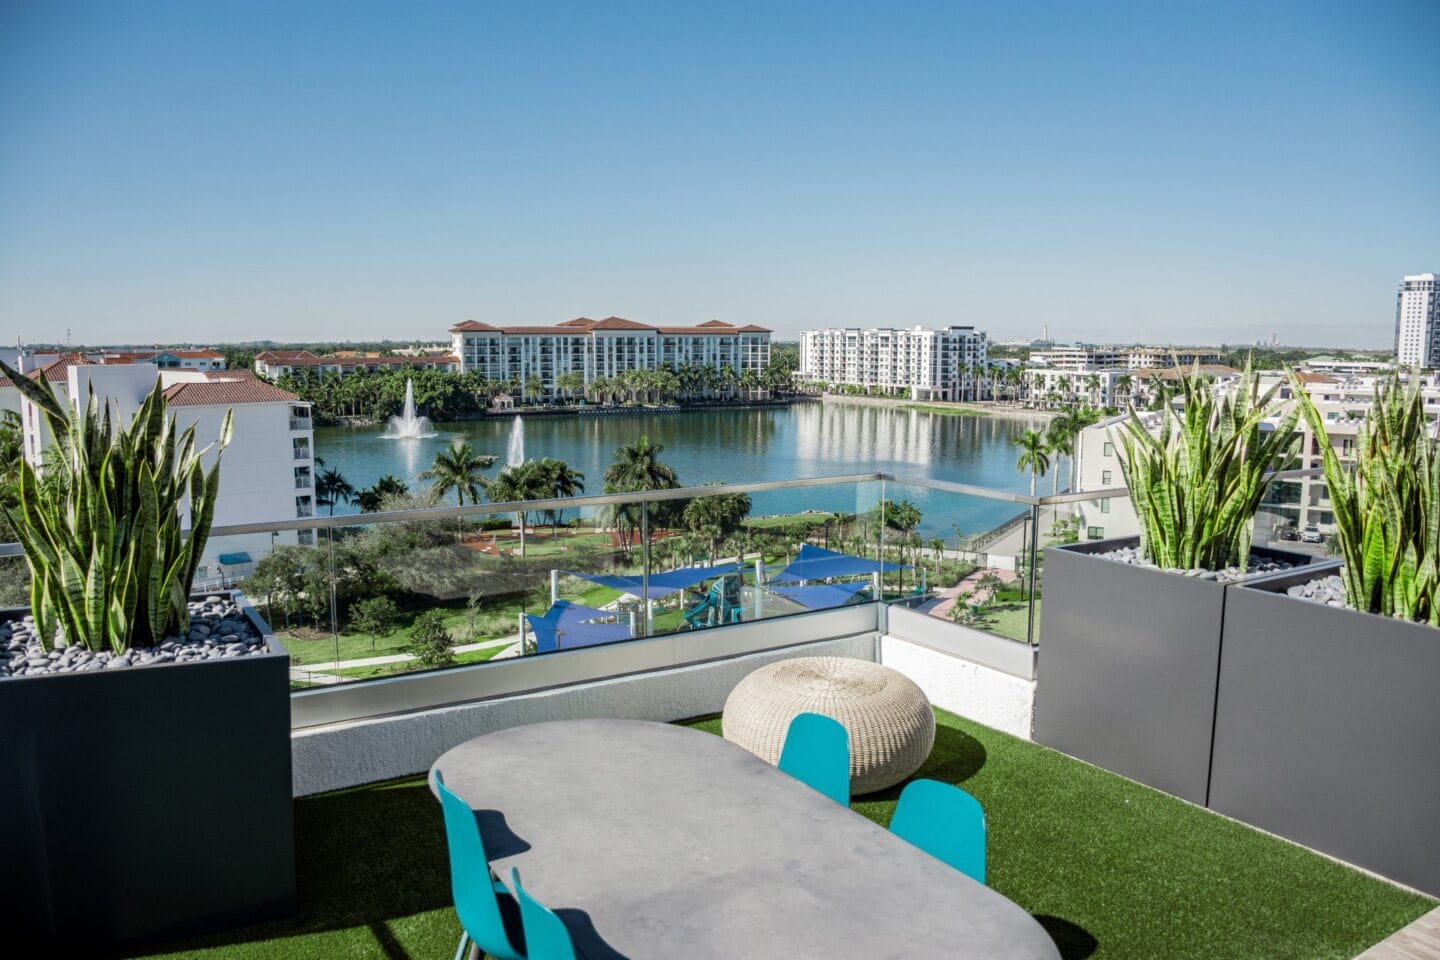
[278, 363]
[604, 348]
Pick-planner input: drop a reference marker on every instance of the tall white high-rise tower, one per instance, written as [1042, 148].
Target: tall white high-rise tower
[1417, 322]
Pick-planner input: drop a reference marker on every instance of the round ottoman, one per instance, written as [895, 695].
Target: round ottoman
[889, 719]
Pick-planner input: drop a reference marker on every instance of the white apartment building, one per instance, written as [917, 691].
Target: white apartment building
[933, 364]
[604, 348]
[1417, 322]
[1099, 386]
[267, 473]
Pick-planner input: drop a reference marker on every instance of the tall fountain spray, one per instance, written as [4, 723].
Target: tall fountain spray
[407, 426]
[515, 452]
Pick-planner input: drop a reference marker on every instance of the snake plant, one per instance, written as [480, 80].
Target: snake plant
[1197, 481]
[109, 564]
[1387, 504]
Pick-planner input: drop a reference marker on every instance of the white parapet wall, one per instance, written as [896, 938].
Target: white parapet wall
[349, 753]
[972, 690]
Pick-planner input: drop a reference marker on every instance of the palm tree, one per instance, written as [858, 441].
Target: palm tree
[1124, 386]
[937, 547]
[534, 386]
[331, 488]
[1033, 455]
[372, 498]
[1060, 439]
[458, 468]
[638, 467]
[516, 485]
[559, 480]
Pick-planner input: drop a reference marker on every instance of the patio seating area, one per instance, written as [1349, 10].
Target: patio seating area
[1110, 868]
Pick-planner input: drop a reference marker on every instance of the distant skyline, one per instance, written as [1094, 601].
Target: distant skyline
[328, 171]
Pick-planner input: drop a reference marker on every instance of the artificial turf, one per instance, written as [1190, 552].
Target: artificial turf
[1110, 868]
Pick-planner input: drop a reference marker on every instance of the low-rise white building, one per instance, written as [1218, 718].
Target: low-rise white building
[273, 364]
[933, 364]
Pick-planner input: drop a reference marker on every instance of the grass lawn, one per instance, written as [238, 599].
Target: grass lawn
[498, 617]
[814, 518]
[1110, 868]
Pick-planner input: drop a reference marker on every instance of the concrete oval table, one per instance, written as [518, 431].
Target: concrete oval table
[657, 841]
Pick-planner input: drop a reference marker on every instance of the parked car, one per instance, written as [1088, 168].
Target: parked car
[1289, 533]
[1311, 534]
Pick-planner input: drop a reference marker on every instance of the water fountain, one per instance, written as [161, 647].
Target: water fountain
[407, 426]
[515, 452]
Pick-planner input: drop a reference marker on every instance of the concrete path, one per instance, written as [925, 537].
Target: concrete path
[1419, 941]
[968, 590]
[322, 673]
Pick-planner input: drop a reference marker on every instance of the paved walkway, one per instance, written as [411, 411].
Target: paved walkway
[1419, 941]
[968, 589]
[323, 673]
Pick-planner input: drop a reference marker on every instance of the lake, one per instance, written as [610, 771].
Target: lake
[744, 446]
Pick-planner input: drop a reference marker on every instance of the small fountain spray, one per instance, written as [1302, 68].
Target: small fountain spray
[515, 452]
[407, 426]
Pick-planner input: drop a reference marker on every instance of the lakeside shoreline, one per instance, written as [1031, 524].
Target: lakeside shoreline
[950, 407]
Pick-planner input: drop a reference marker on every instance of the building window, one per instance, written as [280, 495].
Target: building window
[1105, 478]
[1095, 533]
[1105, 505]
[1109, 449]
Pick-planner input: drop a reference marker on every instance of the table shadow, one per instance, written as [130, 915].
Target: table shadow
[1072, 940]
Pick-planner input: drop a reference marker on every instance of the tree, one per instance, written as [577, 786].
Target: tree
[534, 386]
[1033, 455]
[516, 485]
[937, 547]
[430, 643]
[1060, 440]
[559, 480]
[637, 467]
[372, 499]
[331, 488]
[377, 616]
[458, 468]
[716, 517]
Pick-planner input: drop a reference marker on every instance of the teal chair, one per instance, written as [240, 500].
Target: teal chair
[945, 822]
[475, 891]
[817, 753]
[546, 936]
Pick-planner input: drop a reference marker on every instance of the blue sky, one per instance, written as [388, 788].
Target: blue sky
[1130, 171]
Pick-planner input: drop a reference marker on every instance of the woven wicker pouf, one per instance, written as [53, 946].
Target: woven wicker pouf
[888, 717]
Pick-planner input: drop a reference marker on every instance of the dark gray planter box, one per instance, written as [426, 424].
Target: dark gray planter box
[1327, 730]
[1128, 666]
[146, 803]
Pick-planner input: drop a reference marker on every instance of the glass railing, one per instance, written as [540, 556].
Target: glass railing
[374, 596]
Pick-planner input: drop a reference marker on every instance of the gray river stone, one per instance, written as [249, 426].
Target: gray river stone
[217, 630]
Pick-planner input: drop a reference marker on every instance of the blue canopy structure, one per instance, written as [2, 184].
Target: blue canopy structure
[817, 563]
[234, 559]
[822, 595]
[661, 584]
[567, 625]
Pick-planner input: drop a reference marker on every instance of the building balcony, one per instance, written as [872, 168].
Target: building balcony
[302, 483]
[301, 423]
[304, 511]
[301, 453]
[367, 719]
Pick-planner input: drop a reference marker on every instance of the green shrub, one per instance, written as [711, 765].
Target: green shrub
[430, 642]
[102, 537]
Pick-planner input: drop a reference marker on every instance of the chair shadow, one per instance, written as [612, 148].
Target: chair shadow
[1072, 940]
[588, 942]
[955, 758]
[362, 858]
